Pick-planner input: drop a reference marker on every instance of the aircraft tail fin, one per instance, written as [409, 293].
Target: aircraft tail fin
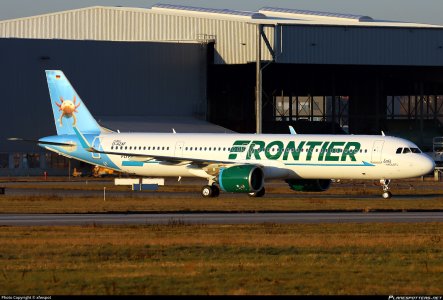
[69, 110]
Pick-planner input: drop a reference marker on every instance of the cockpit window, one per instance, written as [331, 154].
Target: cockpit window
[408, 150]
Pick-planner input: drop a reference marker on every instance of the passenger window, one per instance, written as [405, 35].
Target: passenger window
[399, 150]
[144, 148]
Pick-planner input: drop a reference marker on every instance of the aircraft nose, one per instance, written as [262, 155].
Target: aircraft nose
[427, 164]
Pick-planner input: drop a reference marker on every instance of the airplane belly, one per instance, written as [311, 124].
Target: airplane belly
[369, 171]
[157, 170]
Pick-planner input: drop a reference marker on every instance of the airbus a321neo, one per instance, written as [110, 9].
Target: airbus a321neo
[237, 163]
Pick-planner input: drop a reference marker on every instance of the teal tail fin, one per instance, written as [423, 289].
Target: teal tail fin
[68, 108]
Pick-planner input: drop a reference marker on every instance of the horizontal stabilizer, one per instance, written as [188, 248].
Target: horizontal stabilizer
[40, 142]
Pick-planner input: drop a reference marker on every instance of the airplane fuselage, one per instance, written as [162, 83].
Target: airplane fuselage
[237, 163]
[280, 155]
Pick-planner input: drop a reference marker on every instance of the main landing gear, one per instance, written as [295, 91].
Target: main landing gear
[209, 191]
[385, 184]
[259, 193]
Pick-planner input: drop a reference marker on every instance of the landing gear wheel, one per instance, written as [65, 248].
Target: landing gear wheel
[210, 191]
[207, 191]
[386, 195]
[259, 193]
[215, 191]
[385, 184]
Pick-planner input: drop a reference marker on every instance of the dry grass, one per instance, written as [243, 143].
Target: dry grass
[230, 203]
[90, 204]
[64, 197]
[215, 259]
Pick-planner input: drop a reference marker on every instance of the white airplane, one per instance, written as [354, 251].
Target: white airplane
[238, 163]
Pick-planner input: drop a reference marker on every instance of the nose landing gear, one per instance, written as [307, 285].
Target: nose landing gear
[385, 184]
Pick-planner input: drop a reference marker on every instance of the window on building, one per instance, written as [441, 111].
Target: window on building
[33, 160]
[4, 160]
[16, 158]
[55, 161]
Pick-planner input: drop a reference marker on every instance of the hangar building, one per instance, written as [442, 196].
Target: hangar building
[195, 69]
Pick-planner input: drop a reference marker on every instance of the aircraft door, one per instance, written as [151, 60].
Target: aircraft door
[250, 151]
[96, 143]
[247, 152]
[179, 149]
[376, 156]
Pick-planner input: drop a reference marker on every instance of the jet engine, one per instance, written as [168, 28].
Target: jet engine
[309, 185]
[241, 179]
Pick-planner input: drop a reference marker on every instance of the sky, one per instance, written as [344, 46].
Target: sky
[415, 11]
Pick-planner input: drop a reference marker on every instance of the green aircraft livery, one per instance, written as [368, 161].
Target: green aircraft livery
[325, 151]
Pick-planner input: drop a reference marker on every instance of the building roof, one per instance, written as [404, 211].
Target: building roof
[296, 36]
[267, 15]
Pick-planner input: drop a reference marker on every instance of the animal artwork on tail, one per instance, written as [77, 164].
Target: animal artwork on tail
[68, 109]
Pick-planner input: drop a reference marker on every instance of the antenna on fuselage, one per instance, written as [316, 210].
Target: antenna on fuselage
[173, 131]
[382, 133]
[292, 130]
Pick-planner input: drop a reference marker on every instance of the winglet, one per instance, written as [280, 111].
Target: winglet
[292, 130]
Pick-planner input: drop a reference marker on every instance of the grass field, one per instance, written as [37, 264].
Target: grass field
[347, 196]
[94, 204]
[211, 259]
[322, 259]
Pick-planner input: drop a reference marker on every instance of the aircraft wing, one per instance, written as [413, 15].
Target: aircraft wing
[173, 160]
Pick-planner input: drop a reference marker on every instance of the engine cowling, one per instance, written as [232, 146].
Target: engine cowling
[241, 179]
[309, 185]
